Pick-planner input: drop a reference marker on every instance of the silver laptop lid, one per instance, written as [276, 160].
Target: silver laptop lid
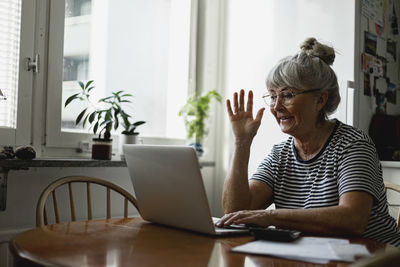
[168, 186]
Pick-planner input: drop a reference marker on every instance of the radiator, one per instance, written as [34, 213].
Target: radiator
[6, 259]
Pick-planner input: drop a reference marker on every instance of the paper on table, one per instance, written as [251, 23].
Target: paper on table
[310, 249]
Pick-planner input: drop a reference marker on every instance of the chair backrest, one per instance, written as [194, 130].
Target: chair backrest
[396, 188]
[41, 214]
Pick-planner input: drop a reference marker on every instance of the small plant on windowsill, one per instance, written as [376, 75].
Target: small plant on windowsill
[102, 117]
[195, 113]
[129, 134]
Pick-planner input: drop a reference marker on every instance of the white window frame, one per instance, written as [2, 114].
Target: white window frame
[21, 135]
[54, 137]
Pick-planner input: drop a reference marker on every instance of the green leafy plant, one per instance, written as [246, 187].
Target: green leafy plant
[130, 128]
[106, 115]
[195, 112]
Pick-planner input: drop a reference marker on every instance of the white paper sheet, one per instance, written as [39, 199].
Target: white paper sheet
[381, 47]
[309, 249]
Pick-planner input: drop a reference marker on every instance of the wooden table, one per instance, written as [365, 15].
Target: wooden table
[134, 242]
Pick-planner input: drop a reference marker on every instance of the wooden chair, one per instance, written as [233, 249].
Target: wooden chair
[41, 215]
[396, 188]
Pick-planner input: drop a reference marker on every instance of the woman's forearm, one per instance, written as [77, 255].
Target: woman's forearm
[236, 193]
[336, 220]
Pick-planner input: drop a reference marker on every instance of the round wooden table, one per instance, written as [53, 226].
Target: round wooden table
[134, 242]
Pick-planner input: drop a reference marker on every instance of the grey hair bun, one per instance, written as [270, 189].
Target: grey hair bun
[315, 49]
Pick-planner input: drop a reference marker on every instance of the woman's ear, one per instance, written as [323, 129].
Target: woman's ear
[322, 99]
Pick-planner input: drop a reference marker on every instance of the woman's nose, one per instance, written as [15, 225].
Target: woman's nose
[278, 103]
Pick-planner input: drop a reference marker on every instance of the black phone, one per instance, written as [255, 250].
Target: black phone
[273, 234]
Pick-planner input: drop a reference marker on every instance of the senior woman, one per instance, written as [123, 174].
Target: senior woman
[326, 177]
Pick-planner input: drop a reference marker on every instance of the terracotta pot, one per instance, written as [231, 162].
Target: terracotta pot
[101, 149]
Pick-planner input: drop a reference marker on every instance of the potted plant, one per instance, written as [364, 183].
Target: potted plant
[195, 113]
[102, 117]
[129, 134]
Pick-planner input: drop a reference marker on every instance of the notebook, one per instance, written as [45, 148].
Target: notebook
[169, 188]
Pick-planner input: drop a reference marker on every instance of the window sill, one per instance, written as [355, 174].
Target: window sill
[15, 164]
[60, 162]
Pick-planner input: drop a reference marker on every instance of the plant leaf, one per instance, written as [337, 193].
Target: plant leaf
[95, 127]
[81, 85]
[91, 117]
[85, 119]
[116, 123]
[139, 123]
[78, 119]
[72, 97]
[88, 84]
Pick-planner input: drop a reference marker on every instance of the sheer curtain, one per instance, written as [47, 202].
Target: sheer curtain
[10, 21]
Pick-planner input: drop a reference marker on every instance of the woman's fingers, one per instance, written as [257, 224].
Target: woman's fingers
[229, 108]
[249, 217]
[238, 102]
[241, 104]
[250, 102]
[259, 115]
[235, 102]
[230, 218]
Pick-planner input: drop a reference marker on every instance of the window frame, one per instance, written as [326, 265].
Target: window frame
[54, 137]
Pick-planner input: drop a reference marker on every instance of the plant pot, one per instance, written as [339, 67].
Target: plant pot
[198, 147]
[126, 139]
[101, 149]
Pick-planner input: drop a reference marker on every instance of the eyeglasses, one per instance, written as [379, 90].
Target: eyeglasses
[286, 98]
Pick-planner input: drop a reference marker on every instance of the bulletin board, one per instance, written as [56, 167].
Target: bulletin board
[380, 56]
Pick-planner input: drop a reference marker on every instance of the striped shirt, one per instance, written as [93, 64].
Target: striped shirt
[348, 162]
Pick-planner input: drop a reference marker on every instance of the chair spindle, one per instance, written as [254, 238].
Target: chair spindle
[71, 202]
[125, 207]
[55, 206]
[45, 216]
[89, 202]
[108, 204]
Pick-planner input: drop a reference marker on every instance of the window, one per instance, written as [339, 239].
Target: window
[106, 41]
[10, 21]
[264, 35]
[16, 46]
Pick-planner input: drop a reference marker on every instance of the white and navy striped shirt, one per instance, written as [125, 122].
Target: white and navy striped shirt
[348, 162]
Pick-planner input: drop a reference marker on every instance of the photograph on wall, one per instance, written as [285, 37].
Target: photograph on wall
[380, 103]
[393, 21]
[370, 43]
[372, 65]
[367, 84]
[391, 50]
[391, 93]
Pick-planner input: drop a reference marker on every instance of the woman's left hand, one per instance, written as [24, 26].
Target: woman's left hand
[250, 217]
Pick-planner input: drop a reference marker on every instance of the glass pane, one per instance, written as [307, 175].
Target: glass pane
[141, 47]
[10, 22]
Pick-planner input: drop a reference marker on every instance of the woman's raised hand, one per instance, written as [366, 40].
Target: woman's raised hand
[244, 126]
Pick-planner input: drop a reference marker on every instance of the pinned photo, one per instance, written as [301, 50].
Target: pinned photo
[370, 43]
[367, 84]
[391, 93]
[391, 50]
[372, 65]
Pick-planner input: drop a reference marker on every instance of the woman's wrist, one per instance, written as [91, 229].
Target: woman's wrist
[243, 143]
[271, 217]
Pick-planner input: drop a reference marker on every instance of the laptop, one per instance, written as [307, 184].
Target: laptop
[169, 188]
